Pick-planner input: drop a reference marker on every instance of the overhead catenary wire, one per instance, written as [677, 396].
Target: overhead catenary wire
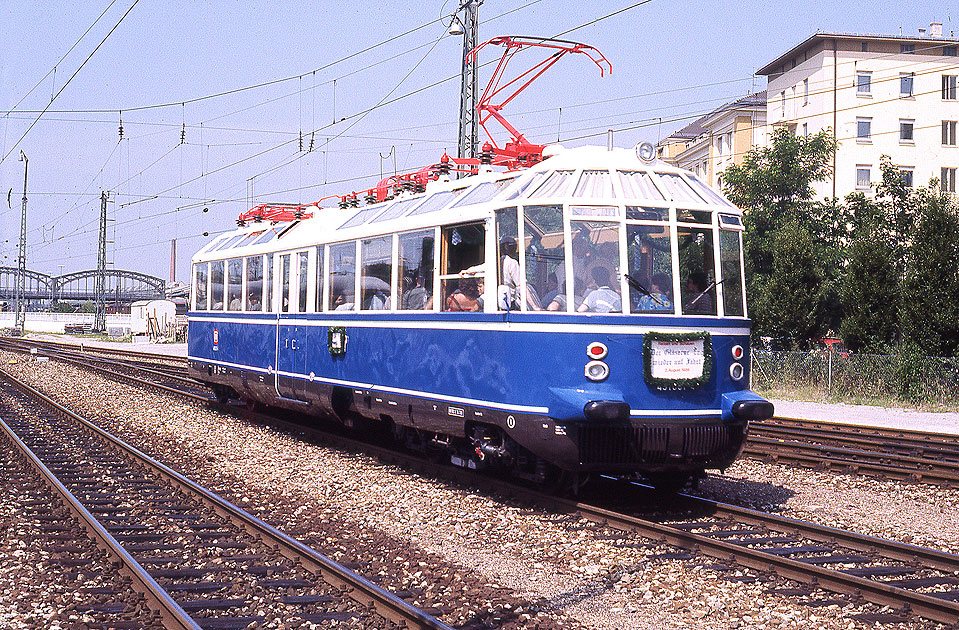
[72, 76]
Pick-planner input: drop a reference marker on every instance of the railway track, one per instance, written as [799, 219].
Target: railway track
[902, 455]
[198, 560]
[896, 454]
[908, 579]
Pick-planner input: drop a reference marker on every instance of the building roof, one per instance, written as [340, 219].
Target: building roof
[696, 128]
[819, 36]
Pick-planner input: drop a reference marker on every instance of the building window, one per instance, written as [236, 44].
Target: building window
[805, 91]
[782, 100]
[805, 130]
[865, 47]
[905, 84]
[905, 172]
[906, 127]
[864, 129]
[863, 177]
[863, 83]
[907, 48]
[949, 133]
[949, 51]
[948, 180]
[948, 87]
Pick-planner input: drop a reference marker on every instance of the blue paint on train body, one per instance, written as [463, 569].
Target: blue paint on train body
[507, 362]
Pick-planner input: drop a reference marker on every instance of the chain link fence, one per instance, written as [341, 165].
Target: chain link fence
[927, 382]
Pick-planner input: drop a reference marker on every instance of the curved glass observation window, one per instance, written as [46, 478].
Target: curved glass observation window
[650, 269]
[678, 189]
[708, 193]
[732, 264]
[556, 185]
[698, 289]
[594, 184]
[639, 185]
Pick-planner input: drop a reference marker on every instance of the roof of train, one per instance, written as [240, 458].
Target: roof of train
[655, 183]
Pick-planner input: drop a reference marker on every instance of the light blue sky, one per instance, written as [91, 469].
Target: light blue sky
[672, 61]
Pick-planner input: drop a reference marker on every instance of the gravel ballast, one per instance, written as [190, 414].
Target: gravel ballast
[478, 559]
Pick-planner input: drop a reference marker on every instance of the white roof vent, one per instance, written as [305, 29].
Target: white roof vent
[935, 29]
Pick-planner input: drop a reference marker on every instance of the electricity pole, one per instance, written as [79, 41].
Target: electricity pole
[21, 292]
[100, 318]
[468, 144]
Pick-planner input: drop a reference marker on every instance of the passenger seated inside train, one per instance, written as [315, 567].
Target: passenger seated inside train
[658, 299]
[467, 297]
[601, 299]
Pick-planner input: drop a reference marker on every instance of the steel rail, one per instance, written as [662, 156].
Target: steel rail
[910, 440]
[818, 456]
[172, 615]
[359, 588]
[936, 609]
[940, 610]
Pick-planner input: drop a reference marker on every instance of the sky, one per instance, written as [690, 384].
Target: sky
[215, 97]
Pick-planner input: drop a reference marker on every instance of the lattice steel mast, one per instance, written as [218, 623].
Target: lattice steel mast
[20, 317]
[100, 319]
[468, 144]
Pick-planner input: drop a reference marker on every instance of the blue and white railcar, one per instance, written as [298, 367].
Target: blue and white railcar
[586, 314]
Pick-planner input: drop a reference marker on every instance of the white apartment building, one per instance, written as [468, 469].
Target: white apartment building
[881, 95]
[719, 139]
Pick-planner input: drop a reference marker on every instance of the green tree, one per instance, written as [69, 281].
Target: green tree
[930, 300]
[791, 302]
[791, 240]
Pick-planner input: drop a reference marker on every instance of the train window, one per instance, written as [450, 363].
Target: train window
[302, 280]
[399, 208]
[433, 203]
[234, 279]
[650, 269]
[230, 242]
[253, 296]
[731, 263]
[463, 257]
[698, 288]
[594, 211]
[268, 283]
[596, 275]
[730, 220]
[320, 278]
[481, 193]
[361, 217]
[507, 269]
[556, 185]
[200, 275]
[376, 256]
[594, 184]
[639, 185]
[216, 285]
[212, 245]
[285, 283]
[529, 184]
[694, 216]
[268, 236]
[415, 273]
[679, 189]
[707, 193]
[545, 256]
[637, 213]
[342, 276]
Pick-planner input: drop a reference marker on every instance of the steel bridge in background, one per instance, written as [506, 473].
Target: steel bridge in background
[40, 290]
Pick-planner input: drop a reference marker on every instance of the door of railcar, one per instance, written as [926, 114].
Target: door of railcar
[292, 347]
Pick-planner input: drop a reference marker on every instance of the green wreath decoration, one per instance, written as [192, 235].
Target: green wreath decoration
[677, 383]
[336, 339]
